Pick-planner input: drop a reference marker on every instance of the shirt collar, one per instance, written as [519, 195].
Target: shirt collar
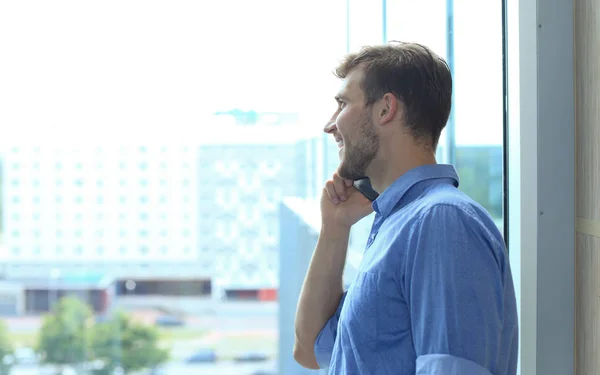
[389, 199]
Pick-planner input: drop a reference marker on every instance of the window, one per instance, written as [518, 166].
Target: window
[186, 166]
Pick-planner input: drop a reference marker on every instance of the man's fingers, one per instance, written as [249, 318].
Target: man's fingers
[330, 189]
[340, 187]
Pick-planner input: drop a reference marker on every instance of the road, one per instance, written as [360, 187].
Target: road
[175, 368]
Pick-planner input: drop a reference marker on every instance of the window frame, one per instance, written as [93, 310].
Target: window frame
[541, 180]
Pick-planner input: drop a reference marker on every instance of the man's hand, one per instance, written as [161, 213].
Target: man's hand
[341, 204]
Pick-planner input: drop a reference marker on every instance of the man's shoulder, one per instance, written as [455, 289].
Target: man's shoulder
[449, 207]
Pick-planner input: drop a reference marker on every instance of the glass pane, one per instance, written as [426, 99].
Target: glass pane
[479, 106]
[160, 166]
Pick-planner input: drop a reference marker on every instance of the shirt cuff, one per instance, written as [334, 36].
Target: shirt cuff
[443, 364]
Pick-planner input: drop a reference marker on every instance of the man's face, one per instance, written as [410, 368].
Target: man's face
[353, 128]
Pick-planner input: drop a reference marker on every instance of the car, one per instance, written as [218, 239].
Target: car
[169, 321]
[251, 357]
[202, 356]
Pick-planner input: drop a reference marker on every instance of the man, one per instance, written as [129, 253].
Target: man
[434, 293]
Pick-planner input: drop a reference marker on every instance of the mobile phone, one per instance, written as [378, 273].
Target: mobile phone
[364, 186]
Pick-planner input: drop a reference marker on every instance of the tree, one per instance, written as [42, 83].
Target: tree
[63, 336]
[121, 342]
[6, 350]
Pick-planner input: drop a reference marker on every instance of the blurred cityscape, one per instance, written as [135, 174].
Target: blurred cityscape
[160, 169]
[184, 237]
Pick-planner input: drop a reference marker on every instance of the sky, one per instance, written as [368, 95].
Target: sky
[79, 68]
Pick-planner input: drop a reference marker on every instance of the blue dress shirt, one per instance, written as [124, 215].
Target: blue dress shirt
[434, 294]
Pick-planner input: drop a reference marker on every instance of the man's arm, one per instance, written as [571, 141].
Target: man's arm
[459, 290]
[321, 292]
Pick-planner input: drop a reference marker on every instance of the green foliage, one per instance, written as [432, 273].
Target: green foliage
[6, 349]
[63, 336]
[121, 342]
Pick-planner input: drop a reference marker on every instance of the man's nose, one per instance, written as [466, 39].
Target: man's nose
[330, 126]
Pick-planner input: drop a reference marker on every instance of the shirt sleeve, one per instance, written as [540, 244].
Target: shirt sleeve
[453, 283]
[326, 338]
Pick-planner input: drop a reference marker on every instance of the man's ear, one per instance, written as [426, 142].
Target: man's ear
[388, 108]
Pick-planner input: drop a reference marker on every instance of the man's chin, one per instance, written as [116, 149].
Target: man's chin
[347, 173]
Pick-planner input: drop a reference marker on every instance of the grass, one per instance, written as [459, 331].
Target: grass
[226, 346]
[180, 334]
[24, 339]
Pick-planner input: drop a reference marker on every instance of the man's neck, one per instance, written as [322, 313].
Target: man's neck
[384, 171]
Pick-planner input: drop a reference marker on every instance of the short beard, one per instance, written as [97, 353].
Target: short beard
[358, 156]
